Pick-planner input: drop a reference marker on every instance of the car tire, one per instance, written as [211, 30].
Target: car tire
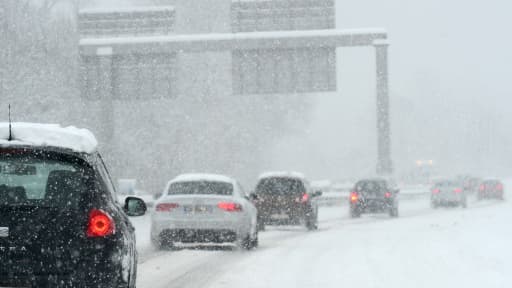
[164, 244]
[260, 225]
[464, 203]
[355, 213]
[393, 212]
[247, 243]
[434, 204]
[311, 224]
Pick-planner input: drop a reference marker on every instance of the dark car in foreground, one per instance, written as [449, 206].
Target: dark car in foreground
[285, 198]
[60, 225]
[373, 196]
[448, 193]
[491, 188]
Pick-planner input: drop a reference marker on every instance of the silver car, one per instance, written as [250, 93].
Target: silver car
[204, 208]
[448, 192]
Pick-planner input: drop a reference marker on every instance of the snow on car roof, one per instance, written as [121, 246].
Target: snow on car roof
[202, 177]
[289, 174]
[48, 135]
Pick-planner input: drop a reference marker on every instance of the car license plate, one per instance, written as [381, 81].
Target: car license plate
[280, 216]
[203, 209]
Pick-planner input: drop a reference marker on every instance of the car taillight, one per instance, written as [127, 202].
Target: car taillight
[436, 191]
[166, 207]
[457, 190]
[305, 198]
[482, 187]
[354, 197]
[100, 224]
[499, 187]
[230, 206]
[387, 194]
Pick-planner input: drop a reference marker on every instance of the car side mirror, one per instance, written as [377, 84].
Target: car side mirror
[134, 206]
[317, 193]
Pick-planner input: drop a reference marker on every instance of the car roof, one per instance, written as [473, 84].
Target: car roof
[282, 174]
[40, 135]
[192, 177]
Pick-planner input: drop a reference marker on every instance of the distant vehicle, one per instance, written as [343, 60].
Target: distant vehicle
[374, 196]
[59, 221]
[448, 193]
[285, 198]
[204, 208]
[491, 188]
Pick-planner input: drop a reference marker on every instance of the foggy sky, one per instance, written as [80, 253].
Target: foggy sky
[449, 88]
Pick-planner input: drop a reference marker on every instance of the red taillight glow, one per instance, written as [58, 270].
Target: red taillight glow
[166, 207]
[230, 206]
[387, 194]
[436, 191]
[457, 190]
[305, 198]
[354, 197]
[499, 187]
[100, 224]
[482, 187]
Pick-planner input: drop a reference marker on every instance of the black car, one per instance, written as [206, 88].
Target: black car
[285, 199]
[373, 196]
[60, 225]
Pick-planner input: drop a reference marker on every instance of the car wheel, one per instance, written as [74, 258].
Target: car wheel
[246, 243]
[261, 225]
[434, 204]
[393, 212]
[311, 224]
[464, 203]
[164, 243]
[355, 213]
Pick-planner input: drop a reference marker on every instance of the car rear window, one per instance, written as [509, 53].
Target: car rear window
[371, 186]
[447, 184]
[280, 186]
[200, 188]
[40, 179]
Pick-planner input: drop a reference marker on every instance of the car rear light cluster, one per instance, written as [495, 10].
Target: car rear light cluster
[354, 197]
[436, 191]
[230, 206]
[166, 207]
[100, 224]
[387, 195]
[482, 187]
[499, 187]
[457, 190]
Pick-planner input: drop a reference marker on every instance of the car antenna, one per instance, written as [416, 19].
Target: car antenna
[10, 124]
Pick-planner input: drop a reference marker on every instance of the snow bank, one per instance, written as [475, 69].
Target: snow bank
[48, 135]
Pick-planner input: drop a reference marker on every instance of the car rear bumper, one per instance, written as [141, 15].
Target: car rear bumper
[200, 229]
[373, 206]
[199, 235]
[90, 273]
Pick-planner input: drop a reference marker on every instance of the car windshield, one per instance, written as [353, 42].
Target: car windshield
[37, 180]
[280, 186]
[200, 188]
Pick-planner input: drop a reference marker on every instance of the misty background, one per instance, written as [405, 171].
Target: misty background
[449, 92]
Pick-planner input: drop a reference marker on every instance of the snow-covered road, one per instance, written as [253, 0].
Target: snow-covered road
[449, 247]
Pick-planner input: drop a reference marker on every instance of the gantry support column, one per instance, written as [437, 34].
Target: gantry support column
[384, 163]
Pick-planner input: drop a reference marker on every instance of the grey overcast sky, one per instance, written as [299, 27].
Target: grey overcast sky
[450, 93]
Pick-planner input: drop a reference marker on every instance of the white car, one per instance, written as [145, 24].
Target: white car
[204, 208]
